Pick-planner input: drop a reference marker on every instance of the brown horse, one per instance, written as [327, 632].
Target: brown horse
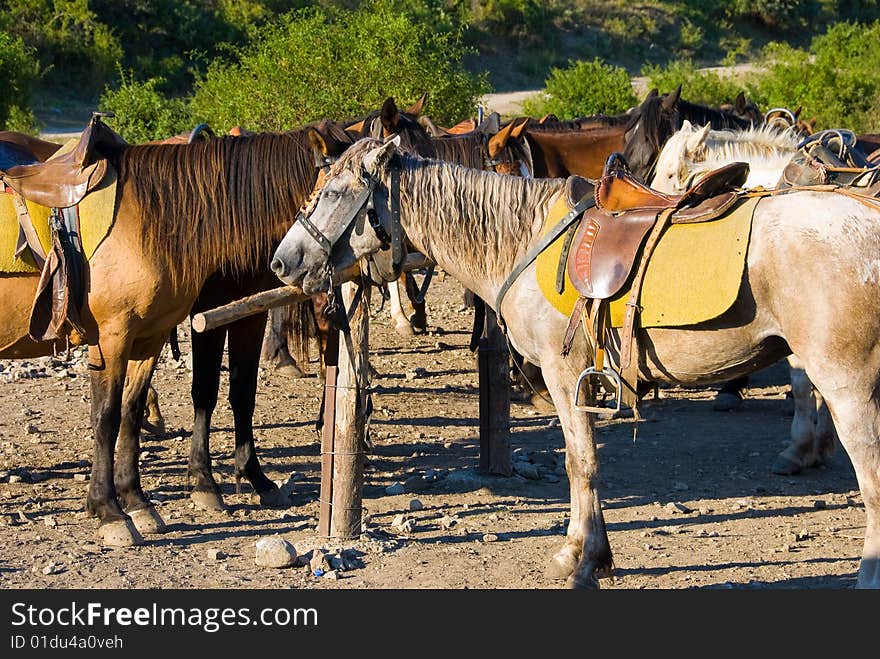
[184, 212]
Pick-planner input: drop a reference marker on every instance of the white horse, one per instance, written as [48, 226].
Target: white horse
[477, 226]
[687, 155]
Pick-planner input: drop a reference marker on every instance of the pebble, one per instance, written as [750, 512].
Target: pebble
[50, 568]
[14, 478]
[676, 507]
[31, 429]
[82, 478]
[216, 555]
[447, 522]
[447, 445]
[274, 552]
[415, 504]
[490, 537]
[819, 504]
[50, 521]
[395, 489]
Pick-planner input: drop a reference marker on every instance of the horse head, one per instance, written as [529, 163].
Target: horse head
[650, 125]
[687, 145]
[507, 151]
[350, 217]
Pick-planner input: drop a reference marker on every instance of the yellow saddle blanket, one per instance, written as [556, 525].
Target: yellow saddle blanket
[693, 276]
[95, 212]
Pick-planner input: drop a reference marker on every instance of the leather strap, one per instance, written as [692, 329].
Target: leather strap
[587, 202]
[27, 234]
[629, 354]
[563, 258]
[573, 322]
[396, 229]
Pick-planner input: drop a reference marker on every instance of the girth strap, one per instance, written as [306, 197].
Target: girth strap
[588, 201]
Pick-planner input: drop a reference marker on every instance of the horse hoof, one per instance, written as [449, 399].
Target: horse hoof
[275, 498]
[207, 500]
[560, 567]
[783, 466]
[419, 323]
[147, 521]
[155, 427]
[291, 371]
[582, 583]
[727, 402]
[121, 533]
[404, 329]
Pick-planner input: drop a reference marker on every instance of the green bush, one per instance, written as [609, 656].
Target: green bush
[142, 112]
[19, 72]
[335, 63]
[584, 88]
[76, 50]
[704, 87]
[780, 14]
[837, 80]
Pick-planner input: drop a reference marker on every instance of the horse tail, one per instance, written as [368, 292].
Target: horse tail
[301, 328]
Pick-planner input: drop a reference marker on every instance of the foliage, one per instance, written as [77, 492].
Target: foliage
[19, 72]
[837, 79]
[336, 63]
[704, 87]
[783, 14]
[582, 89]
[142, 112]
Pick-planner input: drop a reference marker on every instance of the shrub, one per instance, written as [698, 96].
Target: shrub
[704, 87]
[780, 14]
[19, 72]
[142, 112]
[326, 62]
[837, 80]
[583, 88]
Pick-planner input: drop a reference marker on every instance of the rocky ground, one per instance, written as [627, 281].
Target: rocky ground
[687, 493]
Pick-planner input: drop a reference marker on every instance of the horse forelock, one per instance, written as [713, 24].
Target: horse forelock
[223, 202]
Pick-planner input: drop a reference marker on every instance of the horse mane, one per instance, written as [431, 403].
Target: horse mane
[751, 142]
[464, 150]
[226, 201]
[701, 114]
[491, 217]
[578, 124]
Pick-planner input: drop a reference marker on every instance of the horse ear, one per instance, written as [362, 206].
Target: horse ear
[797, 111]
[491, 124]
[499, 140]
[671, 99]
[379, 157]
[652, 94]
[739, 104]
[417, 107]
[389, 115]
[687, 126]
[520, 128]
[698, 138]
[319, 144]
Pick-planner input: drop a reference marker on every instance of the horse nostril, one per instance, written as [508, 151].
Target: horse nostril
[279, 267]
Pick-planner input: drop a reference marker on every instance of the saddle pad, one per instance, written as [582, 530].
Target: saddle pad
[96, 213]
[693, 276]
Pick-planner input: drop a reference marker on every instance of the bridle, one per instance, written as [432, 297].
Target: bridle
[362, 211]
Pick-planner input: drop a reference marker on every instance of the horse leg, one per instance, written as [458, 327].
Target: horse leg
[126, 472]
[207, 353]
[419, 318]
[244, 360]
[586, 553]
[402, 324]
[857, 419]
[154, 422]
[730, 397]
[804, 450]
[107, 381]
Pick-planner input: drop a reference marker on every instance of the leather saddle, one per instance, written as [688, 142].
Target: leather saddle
[610, 235]
[62, 181]
[831, 157]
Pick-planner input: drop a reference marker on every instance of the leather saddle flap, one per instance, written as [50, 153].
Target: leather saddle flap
[605, 249]
[621, 191]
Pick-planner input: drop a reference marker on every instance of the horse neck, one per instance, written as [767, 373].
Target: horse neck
[475, 225]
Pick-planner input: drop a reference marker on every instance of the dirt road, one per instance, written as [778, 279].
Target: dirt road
[688, 496]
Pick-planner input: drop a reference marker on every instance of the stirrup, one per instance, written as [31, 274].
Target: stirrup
[593, 372]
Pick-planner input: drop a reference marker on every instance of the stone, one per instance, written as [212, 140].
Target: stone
[216, 555]
[31, 429]
[526, 470]
[446, 522]
[415, 504]
[819, 504]
[274, 552]
[395, 489]
[676, 507]
[490, 537]
[82, 478]
[50, 568]
[14, 478]
[50, 521]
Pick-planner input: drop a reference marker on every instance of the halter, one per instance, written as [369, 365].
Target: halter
[364, 210]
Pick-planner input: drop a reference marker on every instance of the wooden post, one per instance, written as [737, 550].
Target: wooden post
[494, 374]
[343, 439]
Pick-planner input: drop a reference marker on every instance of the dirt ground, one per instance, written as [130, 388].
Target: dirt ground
[743, 527]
